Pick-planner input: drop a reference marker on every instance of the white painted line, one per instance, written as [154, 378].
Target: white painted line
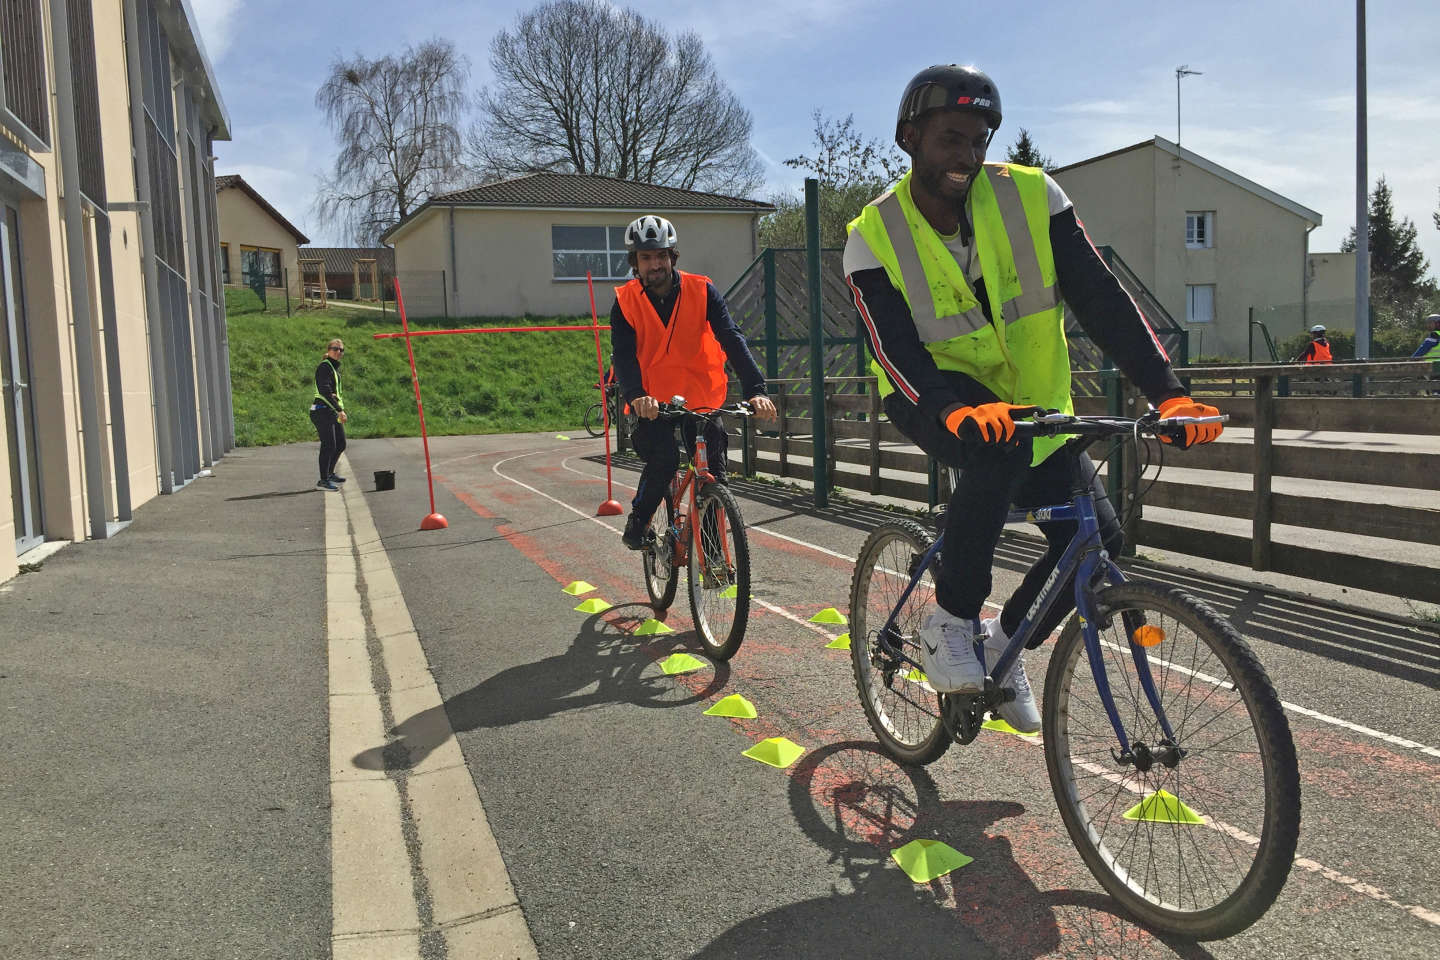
[1305, 863]
[374, 912]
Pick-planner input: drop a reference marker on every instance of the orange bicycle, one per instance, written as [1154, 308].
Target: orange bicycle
[705, 534]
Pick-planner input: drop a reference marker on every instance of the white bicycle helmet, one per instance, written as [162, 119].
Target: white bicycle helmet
[1318, 328]
[650, 233]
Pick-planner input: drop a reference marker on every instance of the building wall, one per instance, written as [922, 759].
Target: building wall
[1332, 278]
[55, 370]
[505, 264]
[1137, 201]
[243, 222]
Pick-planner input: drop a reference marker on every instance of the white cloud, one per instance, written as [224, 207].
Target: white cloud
[216, 22]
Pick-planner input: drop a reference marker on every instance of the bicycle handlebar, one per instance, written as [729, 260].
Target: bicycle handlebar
[1050, 424]
[673, 410]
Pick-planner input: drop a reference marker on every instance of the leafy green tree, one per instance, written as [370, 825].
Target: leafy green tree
[852, 169]
[1025, 152]
[1398, 283]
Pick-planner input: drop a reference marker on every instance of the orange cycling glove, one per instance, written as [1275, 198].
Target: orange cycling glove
[988, 423]
[1194, 432]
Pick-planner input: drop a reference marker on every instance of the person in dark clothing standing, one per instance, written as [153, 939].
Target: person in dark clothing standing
[327, 412]
[671, 334]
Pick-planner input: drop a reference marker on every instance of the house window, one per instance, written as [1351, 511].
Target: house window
[224, 263]
[1200, 229]
[261, 260]
[1199, 302]
[600, 250]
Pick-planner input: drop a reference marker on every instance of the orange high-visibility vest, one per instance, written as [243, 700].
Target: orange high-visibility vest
[681, 358]
[1319, 353]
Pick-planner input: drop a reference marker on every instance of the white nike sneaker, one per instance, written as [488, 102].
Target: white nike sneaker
[947, 651]
[1022, 712]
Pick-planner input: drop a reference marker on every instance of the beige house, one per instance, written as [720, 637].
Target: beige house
[114, 369]
[254, 237]
[522, 246]
[1207, 242]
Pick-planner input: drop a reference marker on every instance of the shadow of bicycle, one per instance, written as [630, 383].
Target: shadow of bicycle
[857, 803]
[605, 664]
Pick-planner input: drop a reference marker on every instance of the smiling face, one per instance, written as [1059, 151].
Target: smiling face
[947, 148]
[655, 269]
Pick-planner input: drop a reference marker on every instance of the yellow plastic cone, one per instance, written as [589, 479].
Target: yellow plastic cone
[593, 605]
[733, 706]
[777, 752]
[561, 436]
[841, 642]
[680, 663]
[829, 615]
[651, 627]
[925, 860]
[1001, 726]
[1162, 807]
[577, 587]
[730, 592]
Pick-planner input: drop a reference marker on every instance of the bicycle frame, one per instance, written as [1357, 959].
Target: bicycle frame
[690, 478]
[1086, 558]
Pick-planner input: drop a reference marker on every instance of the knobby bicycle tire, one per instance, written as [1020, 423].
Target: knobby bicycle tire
[719, 572]
[1208, 857]
[662, 576]
[900, 706]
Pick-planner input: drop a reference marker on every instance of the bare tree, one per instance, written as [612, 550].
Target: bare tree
[852, 169]
[586, 87]
[397, 119]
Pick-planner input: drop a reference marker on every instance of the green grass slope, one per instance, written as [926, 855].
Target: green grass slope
[471, 383]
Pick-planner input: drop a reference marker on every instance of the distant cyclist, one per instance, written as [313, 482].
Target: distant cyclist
[1318, 349]
[1429, 348]
[958, 272]
[671, 334]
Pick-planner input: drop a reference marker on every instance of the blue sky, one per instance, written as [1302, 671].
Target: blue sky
[1275, 102]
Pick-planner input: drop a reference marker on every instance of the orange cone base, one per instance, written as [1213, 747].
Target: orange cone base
[610, 508]
[434, 521]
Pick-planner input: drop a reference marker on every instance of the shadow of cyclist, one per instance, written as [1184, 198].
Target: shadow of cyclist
[857, 803]
[604, 664]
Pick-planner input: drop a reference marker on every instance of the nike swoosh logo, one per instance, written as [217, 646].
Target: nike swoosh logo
[933, 649]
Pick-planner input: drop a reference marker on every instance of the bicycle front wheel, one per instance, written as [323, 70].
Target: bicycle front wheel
[903, 710]
[719, 572]
[595, 421]
[661, 575]
[1197, 842]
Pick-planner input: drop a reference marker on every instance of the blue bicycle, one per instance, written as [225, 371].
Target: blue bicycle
[1167, 747]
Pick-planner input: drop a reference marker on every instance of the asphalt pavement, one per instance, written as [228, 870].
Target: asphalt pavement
[169, 782]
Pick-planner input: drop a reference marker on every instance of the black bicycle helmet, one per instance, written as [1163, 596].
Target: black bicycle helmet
[949, 86]
[650, 233]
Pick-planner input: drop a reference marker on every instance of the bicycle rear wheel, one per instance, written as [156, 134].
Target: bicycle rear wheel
[719, 572]
[595, 421]
[901, 707]
[661, 575]
[1200, 845]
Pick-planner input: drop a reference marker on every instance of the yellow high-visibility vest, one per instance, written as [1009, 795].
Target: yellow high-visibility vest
[1022, 357]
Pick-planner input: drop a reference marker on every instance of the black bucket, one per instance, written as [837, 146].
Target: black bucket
[384, 479]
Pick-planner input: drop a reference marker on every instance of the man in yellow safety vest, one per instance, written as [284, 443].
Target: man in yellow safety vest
[958, 272]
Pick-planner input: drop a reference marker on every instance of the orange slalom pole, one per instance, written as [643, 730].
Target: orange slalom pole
[611, 507]
[432, 521]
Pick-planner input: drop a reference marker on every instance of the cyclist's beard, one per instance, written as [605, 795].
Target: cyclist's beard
[658, 281]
